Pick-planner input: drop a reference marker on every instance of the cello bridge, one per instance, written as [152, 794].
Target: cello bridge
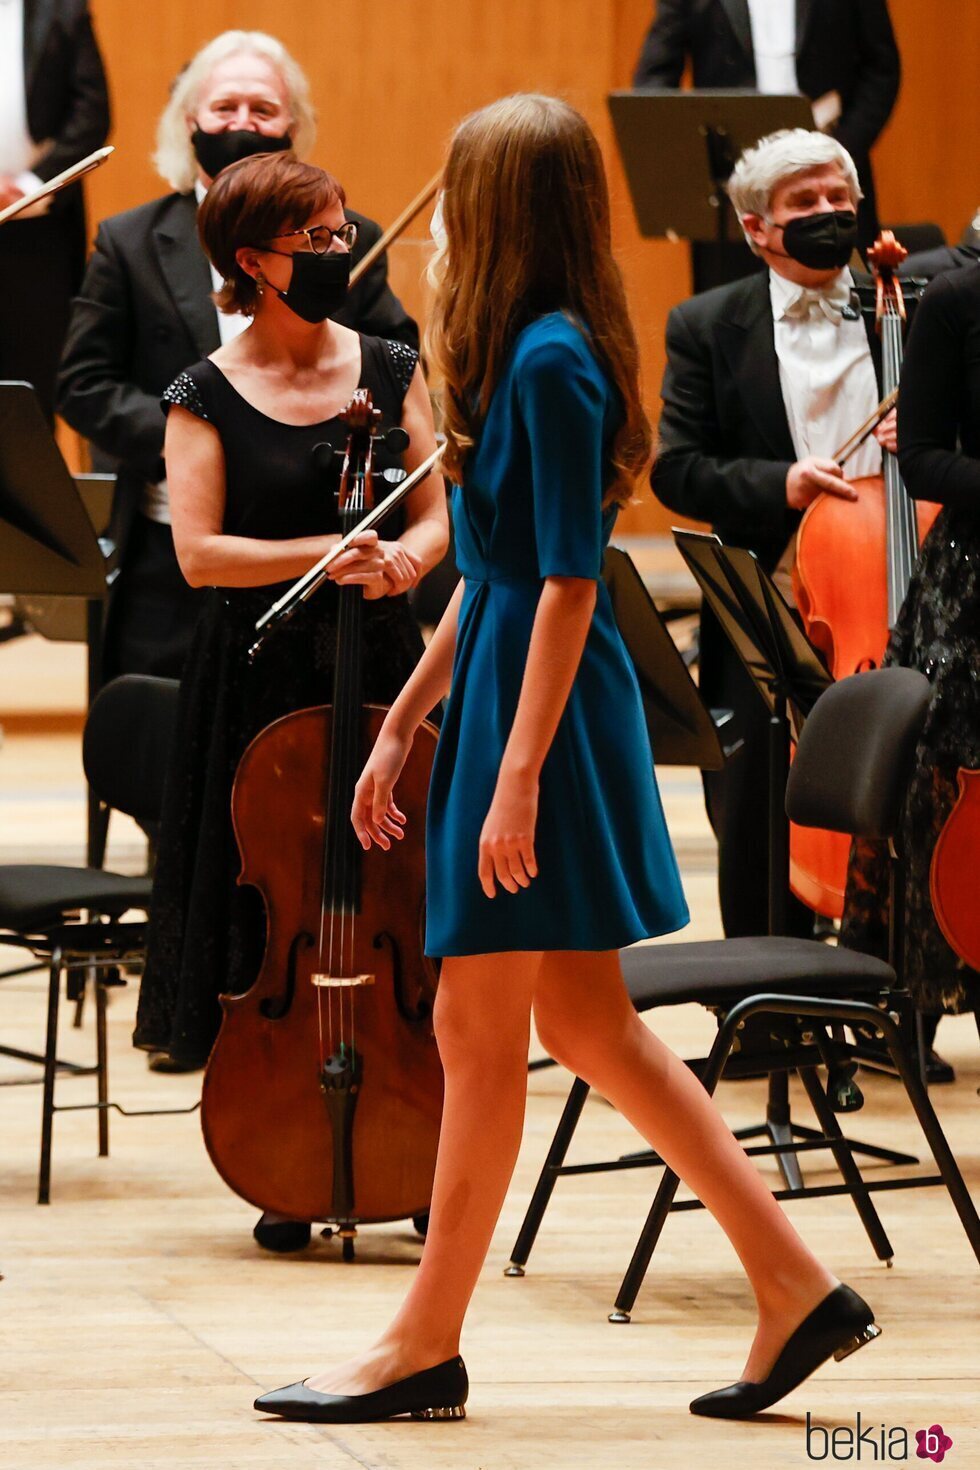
[341, 982]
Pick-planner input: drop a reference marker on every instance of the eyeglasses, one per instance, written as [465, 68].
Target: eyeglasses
[321, 236]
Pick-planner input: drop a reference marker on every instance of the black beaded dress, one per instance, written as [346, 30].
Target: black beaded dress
[938, 631]
[206, 934]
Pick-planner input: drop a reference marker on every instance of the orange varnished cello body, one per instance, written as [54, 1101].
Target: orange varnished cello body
[853, 563]
[953, 874]
[322, 1097]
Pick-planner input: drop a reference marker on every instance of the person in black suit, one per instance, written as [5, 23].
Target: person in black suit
[765, 378]
[926, 264]
[839, 53]
[144, 314]
[56, 111]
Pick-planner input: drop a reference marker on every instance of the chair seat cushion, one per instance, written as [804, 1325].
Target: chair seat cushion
[34, 895]
[712, 971]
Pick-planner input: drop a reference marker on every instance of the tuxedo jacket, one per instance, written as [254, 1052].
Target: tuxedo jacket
[144, 314]
[67, 99]
[925, 264]
[724, 439]
[845, 46]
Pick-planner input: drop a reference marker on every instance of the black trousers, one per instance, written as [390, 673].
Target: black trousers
[39, 268]
[737, 797]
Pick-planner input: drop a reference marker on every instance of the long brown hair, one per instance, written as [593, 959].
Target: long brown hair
[526, 213]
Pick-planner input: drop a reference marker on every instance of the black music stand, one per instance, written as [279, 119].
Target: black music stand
[783, 665]
[682, 730]
[679, 148]
[48, 544]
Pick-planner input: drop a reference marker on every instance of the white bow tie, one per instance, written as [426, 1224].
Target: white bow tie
[806, 302]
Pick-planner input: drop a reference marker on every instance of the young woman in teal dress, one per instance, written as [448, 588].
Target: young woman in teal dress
[546, 844]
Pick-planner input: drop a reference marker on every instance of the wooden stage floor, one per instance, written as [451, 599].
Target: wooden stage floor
[140, 1319]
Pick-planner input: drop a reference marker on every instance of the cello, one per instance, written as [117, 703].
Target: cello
[854, 562]
[322, 1097]
[953, 871]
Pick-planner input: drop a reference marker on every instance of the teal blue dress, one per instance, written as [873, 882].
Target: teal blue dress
[532, 508]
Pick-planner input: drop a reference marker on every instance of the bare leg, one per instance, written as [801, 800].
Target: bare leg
[482, 1024]
[585, 1019]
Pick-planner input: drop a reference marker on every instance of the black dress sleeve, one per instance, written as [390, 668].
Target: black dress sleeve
[185, 392]
[937, 382]
[402, 359]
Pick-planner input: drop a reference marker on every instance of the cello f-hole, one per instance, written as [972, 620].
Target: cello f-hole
[413, 1014]
[276, 1007]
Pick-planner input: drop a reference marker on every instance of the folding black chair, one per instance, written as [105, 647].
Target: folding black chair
[126, 745]
[780, 1002]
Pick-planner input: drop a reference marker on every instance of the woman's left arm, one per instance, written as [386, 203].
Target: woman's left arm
[562, 401]
[561, 626]
[423, 543]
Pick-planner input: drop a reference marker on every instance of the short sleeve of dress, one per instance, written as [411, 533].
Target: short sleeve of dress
[184, 392]
[562, 397]
[402, 359]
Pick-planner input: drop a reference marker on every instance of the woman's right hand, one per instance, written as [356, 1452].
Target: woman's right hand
[374, 815]
[362, 564]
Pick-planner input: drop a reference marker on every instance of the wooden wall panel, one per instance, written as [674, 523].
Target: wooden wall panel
[927, 163]
[391, 78]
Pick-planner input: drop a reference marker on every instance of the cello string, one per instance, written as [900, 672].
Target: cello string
[354, 737]
[902, 518]
[907, 513]
[343, 772]
[341, 715]
[327, 878]
[331, 874]
[893, 518]
[341, 768]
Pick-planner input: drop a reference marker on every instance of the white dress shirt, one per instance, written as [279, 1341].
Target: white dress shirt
[826, 371]
[155, 502]
[774, 44]
[18, 151]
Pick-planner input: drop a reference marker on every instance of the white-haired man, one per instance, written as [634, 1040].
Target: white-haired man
[144, 314]
[765, 379]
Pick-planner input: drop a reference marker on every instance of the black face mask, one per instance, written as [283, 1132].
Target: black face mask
[214, 151]
[318, 287]
[822, 242]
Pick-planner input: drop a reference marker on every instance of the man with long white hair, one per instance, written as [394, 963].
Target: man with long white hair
[765, 379]
[145, 313]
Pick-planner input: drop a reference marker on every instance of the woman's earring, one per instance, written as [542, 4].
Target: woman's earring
[260, 283]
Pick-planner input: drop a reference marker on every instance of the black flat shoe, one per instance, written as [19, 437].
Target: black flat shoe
[841, 1324]
[281, 1235]
[435, 1393]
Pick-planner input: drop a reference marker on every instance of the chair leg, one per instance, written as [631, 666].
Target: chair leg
[548, 1177]
[844, 1159]
[779, 1127]
[102, 1063]
[932, 1128]
[50, 1069]
[645, 1247]
[711, 1072]
[80, 1004]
